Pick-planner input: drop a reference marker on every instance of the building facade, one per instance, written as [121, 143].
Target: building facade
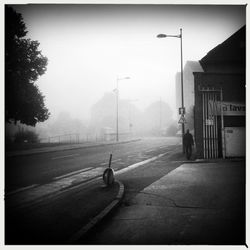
[219, 91]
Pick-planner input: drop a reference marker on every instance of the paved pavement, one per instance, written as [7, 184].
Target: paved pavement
[197, 203]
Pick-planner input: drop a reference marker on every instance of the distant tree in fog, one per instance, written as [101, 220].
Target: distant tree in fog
[65, 124]
[172, 129]
[24, 63]
[157, 116]
[103, 111]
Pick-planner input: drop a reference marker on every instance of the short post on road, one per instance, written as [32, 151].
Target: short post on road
[108, 174]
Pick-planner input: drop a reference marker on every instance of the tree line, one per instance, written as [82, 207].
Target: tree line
[24, 64]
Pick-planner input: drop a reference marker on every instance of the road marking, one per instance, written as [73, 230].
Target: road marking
[117, 160]
[171, 151]
[106, 163]
[184, 161]
[36, 193]
[65, 156]
[138, 164]
[72, 173]
[150, 151]
[134, 155]
[21, 189]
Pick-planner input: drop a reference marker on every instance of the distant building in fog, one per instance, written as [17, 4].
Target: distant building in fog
[188, 89]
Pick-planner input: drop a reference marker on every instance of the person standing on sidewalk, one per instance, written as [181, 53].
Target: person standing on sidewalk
[188, 143]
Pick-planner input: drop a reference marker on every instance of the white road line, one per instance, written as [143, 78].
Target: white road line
[106, 163]
[72, 173]
[80, 177]
[179, 161]
[150, 151]
[65, 156]
[134, 155]
[171, 151]
[117, 160]
[136, 165]
[21, 189]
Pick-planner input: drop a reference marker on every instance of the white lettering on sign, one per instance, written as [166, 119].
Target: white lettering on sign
[182, 111]
[228, 108]
[209, 122]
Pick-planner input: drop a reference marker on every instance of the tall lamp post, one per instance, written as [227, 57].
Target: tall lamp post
[182, 96]
[117, 104]
[130, 115]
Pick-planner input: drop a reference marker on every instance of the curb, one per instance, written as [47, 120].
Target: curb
[98, 218]
[219, 160]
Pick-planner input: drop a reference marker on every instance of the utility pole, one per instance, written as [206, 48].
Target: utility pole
[160, 115]
[117, 112]
[117, 105]
[182, 95]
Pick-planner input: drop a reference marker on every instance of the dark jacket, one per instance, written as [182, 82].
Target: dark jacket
[188, 139]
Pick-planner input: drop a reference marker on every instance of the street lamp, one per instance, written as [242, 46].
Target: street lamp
[129, 115]
[182, 96]
[117, 105]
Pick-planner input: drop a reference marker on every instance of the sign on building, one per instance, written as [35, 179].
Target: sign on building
[229, 108]
[182, 111]
[209, 122]
[235, 139]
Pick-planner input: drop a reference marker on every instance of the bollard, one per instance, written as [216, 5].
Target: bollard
[108, 174]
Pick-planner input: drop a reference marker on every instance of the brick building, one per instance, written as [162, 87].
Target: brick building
[219, 113]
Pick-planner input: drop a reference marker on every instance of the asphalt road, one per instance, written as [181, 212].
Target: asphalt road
[53, 218]
[32, 170]
[71, 179]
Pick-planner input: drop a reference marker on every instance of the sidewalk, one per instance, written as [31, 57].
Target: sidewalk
[197, 203]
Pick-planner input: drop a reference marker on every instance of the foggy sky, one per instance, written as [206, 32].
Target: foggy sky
[89, 46]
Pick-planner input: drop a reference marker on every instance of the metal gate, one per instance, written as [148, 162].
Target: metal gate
[210, 98]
